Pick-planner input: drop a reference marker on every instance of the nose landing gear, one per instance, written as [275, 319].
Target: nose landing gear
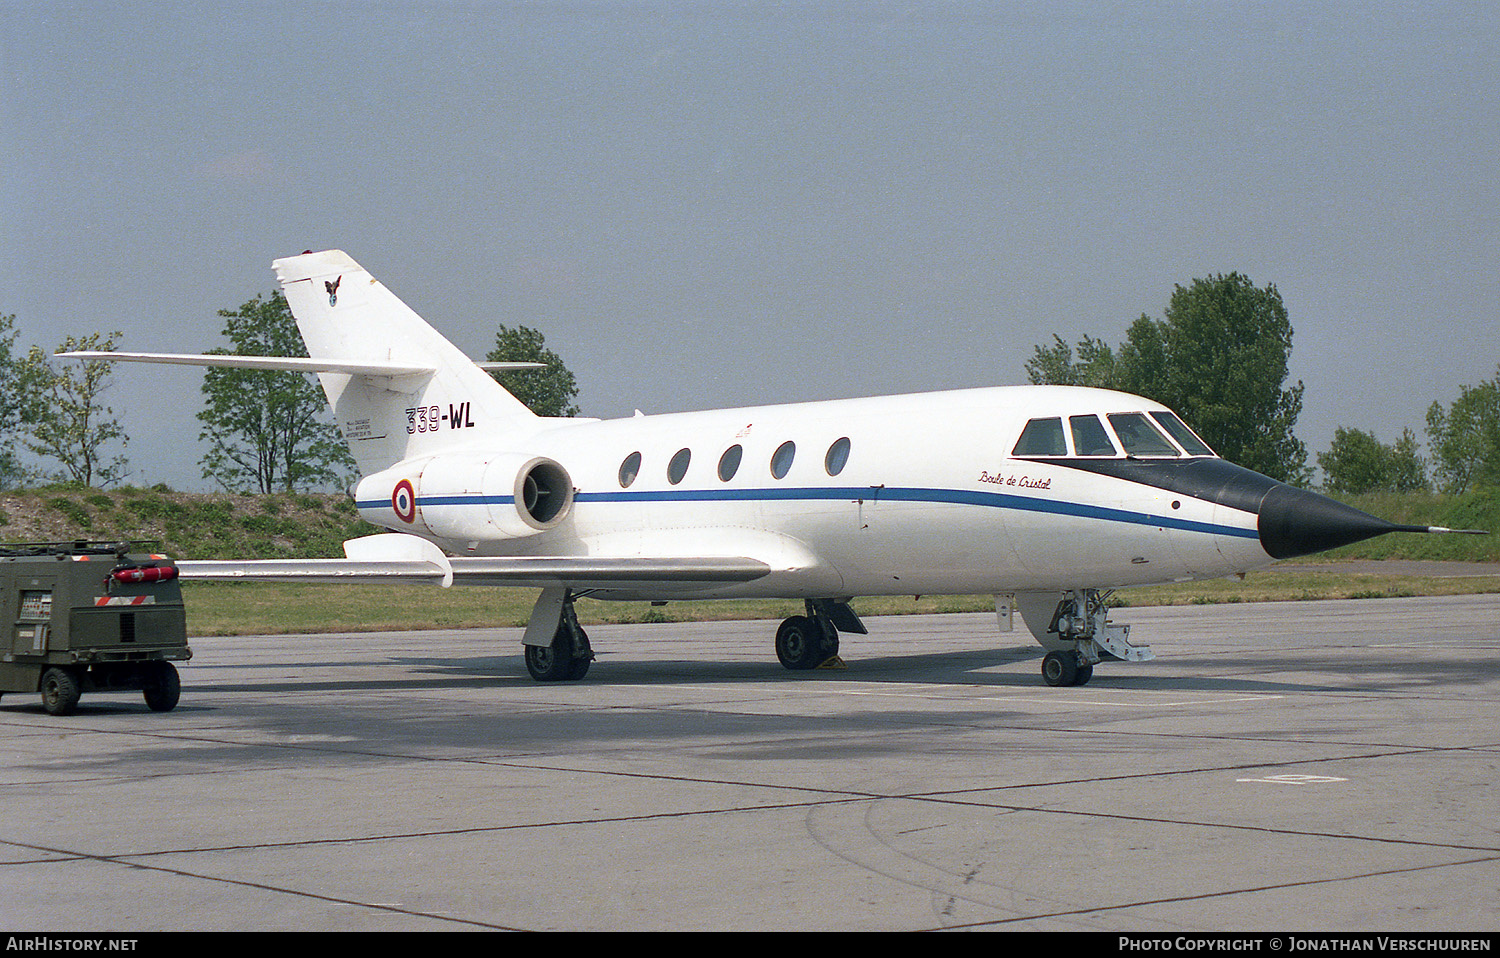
[1079, 636]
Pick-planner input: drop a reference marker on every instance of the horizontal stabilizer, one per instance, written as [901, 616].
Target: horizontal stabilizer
[291, 364]
[509, 367]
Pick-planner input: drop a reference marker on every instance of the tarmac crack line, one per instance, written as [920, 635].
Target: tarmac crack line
[833, 795]
[1206, 896]
[1170, 772]
[825, 796]
[126, 862]
[1230, 826]
[129, 858]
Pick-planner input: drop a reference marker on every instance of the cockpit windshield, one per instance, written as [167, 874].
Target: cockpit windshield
[1139, 436]
[1133, 434]
[1089, 437]
[1041, 437]
[1185, 437]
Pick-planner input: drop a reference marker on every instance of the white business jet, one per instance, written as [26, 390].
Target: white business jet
[1043, 496]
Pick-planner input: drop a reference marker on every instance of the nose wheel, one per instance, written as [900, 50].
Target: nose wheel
[1064, 669]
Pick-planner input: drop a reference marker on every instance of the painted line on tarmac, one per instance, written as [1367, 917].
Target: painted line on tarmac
[1102, 697]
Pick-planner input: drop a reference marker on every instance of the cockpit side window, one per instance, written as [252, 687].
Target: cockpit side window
[1185, 437]
[1139, 437]
[1089, 436]
[1041, 437]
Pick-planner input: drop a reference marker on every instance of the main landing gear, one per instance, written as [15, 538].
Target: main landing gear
[566, 658]
[557, 649]
[812, 640]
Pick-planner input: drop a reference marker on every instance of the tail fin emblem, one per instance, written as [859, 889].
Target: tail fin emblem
[333, 290]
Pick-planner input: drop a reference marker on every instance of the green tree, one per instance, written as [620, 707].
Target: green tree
[1219, 358]
[1055, 365]
[10, 402]
[268, 431]
[1357, 462]
[62, 415]
[1465, 437]
[546, 392]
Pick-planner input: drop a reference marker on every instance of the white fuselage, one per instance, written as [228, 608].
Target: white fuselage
[929, 499]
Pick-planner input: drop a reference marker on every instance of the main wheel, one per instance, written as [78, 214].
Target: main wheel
[163, 687]
[557, 662]
[546, 664]
[800, 643]
[1060, 668]
[60, 691]
[578, 666]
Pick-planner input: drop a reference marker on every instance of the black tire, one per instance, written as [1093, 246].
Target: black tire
[557, 662]
[800, 643]
[1085, 672]
[163, 687]
[1060, 668]
[60, 691]
[545, 664]
[578, 667]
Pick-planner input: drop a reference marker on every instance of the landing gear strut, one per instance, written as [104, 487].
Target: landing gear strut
[1080, 636]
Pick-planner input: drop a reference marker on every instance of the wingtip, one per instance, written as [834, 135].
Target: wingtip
[313, 264]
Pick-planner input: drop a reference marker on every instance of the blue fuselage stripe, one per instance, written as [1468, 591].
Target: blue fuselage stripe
[857, 493]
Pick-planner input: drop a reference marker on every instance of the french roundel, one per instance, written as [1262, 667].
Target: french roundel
[404, 501]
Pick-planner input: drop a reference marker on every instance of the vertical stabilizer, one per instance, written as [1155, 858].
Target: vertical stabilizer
[345, 314]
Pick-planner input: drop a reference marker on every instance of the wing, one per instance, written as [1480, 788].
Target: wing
[599, 572]
[394, 557]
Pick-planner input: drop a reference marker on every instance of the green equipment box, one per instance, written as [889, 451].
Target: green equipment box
[90, 616]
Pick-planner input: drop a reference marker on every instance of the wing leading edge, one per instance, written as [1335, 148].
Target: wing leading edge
[394, 557]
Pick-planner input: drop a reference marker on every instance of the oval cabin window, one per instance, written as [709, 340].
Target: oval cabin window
[677, 468]
[781, 460]
[838, 457]
[729, 463]
[629, 469]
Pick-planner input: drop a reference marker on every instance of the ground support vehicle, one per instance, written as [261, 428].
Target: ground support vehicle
[90, 616]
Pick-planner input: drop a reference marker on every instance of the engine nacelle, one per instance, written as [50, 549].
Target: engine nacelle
[468, 497]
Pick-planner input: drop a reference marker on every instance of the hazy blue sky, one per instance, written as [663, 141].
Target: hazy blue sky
[707, 204]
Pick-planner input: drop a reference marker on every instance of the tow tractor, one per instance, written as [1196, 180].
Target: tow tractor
[88, 617]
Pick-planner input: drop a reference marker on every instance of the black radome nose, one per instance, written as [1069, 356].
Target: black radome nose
[1296, 522]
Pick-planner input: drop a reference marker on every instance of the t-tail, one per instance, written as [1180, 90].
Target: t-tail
[422, 421]
[408, 393]
[398, 389]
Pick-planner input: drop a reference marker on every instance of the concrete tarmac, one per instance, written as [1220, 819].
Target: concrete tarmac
[1313, 766]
